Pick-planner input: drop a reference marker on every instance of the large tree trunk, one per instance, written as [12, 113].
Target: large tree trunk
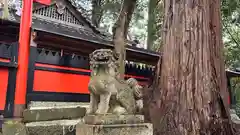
[192, 97]
[120, 31]
[97, 12]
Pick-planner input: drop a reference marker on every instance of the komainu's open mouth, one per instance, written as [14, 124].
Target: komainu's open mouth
[102, 55]
[101, 59]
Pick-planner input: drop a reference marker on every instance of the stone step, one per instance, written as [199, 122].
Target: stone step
[113, 119]
[115, 129]
[53, 114]
[56, 127]
[48, 105]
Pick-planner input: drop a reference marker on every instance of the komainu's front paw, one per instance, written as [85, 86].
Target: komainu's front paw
[102, 110]
[99, 112]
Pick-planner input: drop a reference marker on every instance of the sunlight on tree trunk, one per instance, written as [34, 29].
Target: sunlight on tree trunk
[192, 97]
[120, 31]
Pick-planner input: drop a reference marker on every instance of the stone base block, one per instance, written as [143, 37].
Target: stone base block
[115, 129]
[53, 114]
[113, 119]
[50, 105]
[56, 127]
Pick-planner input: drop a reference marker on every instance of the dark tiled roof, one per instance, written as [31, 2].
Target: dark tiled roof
[233, 73]
[69, 31]
[80, 33]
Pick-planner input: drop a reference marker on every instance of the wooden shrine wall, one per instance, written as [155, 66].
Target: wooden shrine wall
[3, 85]
[64, 77]
[8, 57]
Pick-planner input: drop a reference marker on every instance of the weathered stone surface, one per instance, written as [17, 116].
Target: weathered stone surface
[108, 92]
[235, 119]
[118, 129]
[57, 127]
[14, 128]
[33, 105]
[113, 119]
[53, 114]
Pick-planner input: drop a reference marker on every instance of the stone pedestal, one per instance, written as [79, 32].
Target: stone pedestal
[114, 125]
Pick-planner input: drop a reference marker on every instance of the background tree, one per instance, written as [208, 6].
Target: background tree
[4, 4]
[120, 31]
[192, 90]
[155, 20]
[97, 11]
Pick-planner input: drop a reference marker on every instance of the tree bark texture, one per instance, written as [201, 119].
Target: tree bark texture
[192, 97]
[97, 12]
[120, 31]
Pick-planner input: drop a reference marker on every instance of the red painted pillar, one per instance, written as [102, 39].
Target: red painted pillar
[23, 58]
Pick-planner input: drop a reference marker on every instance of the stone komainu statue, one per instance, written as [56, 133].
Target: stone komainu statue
[109, 93]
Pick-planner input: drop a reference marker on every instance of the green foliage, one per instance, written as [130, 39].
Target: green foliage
[231, 32]
[230, 7]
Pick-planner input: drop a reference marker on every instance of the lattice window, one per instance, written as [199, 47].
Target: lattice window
[51, 12]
